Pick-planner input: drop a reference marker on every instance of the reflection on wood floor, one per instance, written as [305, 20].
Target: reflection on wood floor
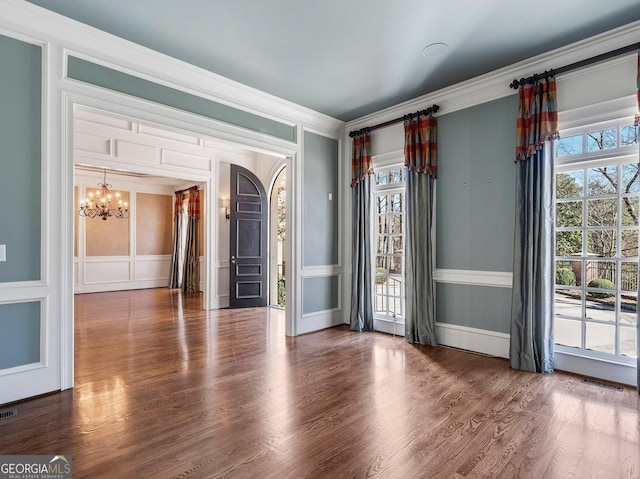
[165, 389]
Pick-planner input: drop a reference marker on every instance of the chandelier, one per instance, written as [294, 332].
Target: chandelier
[100, 205]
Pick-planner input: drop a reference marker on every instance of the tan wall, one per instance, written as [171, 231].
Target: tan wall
[154, 224]
[110, 237]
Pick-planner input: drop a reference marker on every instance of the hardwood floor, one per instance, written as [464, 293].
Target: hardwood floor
[165, 389]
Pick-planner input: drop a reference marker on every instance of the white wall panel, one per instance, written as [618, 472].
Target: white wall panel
[223, 280]
[126, 150]
[174, 158]
[107, 272]
[146, 270]
[155, 132]
[101, 119]
[93, 144]
[602, 82]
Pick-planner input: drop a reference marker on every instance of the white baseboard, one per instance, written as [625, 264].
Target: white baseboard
[497, 344]
[102, 287]
[472, 339]
[596, 368]
[389, 327]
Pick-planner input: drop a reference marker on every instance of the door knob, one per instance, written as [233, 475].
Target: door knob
[233, 260]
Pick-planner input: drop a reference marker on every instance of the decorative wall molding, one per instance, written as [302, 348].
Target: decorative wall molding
[496, 279]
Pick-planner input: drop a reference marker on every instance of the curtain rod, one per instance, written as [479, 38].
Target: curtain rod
[431, 109]
[194, 187]
[582, 63]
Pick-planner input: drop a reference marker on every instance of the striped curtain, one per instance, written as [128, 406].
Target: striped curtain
[420, 160]
[532, 303]
[361, 317]
[176, 264]
[361, 162]
[537, 117]
[191, 276]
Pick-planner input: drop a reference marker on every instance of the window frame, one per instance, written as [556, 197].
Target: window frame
[376, 191]
[585, 161]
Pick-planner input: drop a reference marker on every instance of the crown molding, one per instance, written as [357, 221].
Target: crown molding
[494, 85]
[34, 23]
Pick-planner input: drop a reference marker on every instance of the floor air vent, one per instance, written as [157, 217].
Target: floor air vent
[593, 382]
[8, 412]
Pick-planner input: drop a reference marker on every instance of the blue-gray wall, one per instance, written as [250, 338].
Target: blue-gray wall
[476, 187]
[320, 217]
[319, 294]
[480, 307]
[475, 210]
[99, 75]
[21, 345]
[20, 151]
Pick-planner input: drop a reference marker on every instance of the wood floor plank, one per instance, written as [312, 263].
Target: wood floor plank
[165, 389]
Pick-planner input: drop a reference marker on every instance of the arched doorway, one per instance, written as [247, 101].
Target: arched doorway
[277, 240]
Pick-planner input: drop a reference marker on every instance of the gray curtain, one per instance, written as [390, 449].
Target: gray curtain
[191, 271]
[176, 266]
[531, 344]
[420, 160]
[532, 302]
[420, 316]
[361, 317]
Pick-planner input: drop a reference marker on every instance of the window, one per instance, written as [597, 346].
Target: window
[597, 194]
[388, 205]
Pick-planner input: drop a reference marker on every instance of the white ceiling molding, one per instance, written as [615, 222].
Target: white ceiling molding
[31, 21]
[495, 85]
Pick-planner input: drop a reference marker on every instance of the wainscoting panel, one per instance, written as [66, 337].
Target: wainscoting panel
[174, 158]
[91, 143]
[151, 268]
[126, 150]
[107, 271]
[154, 132]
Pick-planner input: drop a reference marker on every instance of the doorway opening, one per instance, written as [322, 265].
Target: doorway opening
[278, 241]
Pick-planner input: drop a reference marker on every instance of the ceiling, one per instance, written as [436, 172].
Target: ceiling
[349, 58]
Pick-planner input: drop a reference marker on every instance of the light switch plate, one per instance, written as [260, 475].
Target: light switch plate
[3, 252]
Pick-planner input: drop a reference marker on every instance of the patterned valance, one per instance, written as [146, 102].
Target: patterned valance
[361, 164]
[193, 209]
[537, 116]
[420, 144]
[177, 207]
